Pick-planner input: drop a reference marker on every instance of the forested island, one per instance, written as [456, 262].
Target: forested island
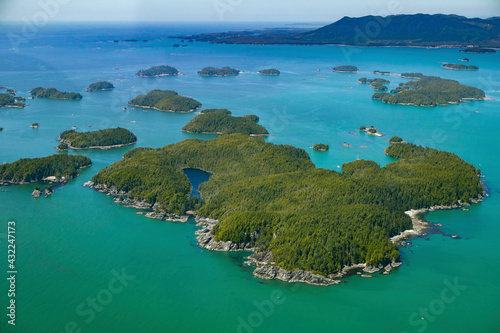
[478, 50]
[415, 76]
[101, 139]
[271, 199]
[376, 84]
[53, 93]
[270, 71]
[461, 67]
[8, 101]
[370, 130]
[100, 86]
[165, 100]
[430, 91]
[54, 168]
[345, 69]
[157, 71]
[395, 139]
[213, 71]
[321, 147]
[381, 72]
[220, 121]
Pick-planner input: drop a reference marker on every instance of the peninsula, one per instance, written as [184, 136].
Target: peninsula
[54, 168]
[305, 224]
[53, 93]
[165, 100]
[430, 91]
[101, 139]
[220, 121]
[224, 71]
[100, 86]
[157, 71]
[376, 84]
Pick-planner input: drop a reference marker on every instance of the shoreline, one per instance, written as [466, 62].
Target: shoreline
[150, 107]
[93, 147]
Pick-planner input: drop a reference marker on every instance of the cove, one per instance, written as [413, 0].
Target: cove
[196, 177]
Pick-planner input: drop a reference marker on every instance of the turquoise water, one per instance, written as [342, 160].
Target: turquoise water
[69, 245]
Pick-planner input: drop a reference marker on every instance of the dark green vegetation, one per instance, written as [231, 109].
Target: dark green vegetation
[412, 75]
[381, 72]
[478, 50]
[270, 71]
[395, 139]
[35, 169]
[392, 30]
[226, 111]
[321, 147]
[461, 67]
[274, 198]
[100, 86]
[430, 91]
[376, 84]
[157, 71]
[220, 122]
[101, 138]
[224, 71]
[345, 69]
[165, 100]
[8, 101]
[53, 93]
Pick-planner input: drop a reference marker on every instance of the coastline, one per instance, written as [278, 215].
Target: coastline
[150, 107]
[93, 147]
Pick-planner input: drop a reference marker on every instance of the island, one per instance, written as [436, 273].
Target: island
[464, 60]
[414, 30]
[304, 224]
[54, 169]
[165, 100]
[370, 130]
[415, 76]
[8, 101]
[376, 84]
[100, 86]
[381, 72]
[321, 147]
[345, 69]
[220, 121]
[53, 93]
[270, 71]
[478, 50]
[461, 67]
[430, 91]
[101, 139]
[224, 71]
[395, 139]
[226, 111]
[157, 71]
[35, 125]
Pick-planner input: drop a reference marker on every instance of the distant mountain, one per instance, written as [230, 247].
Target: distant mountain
[394, 30]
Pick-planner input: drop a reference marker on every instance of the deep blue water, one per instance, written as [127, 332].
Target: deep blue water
[196, 177]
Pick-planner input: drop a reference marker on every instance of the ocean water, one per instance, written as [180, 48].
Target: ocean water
[72, 246]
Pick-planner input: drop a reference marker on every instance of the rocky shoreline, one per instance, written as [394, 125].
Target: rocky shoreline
[150, 107]
[94, 147]
[122, 197]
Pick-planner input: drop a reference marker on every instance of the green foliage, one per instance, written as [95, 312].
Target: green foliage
[35, 169]
[395, 139]
[274, 198]
[220, 122]
[430, 91]
[412, 75]
[224, 71]
[100, 138]
[53, 93]
[321, 147]
[374, 81]
[165, 100]
[7, 100]
[478, 50]
[270, 71]
[101, 85]
[63, 146]
[226, 111]
[346, 68]
[156, 71]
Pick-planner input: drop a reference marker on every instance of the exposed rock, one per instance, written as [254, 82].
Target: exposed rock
[269, 272]
[48, 191]
[366, 276]
[167, 217]
[36, 193]
[372, 269]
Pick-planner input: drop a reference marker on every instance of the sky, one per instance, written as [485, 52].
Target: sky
[233, 10]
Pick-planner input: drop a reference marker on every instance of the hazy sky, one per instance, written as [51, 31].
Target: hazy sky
[233, 10]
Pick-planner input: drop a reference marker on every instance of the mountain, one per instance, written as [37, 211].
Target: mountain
[395, 30]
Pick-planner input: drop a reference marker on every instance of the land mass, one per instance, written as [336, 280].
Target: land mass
[9, 101]
[220, 121]
[54, 168]
[270, 71]
[53, 93]
[101, 139]
[213, 71]
[100, 86]
[273, 200]
[321, 147]
[157, 71]
[461, 67]
[421, 30]
[165, 100]
[430, 91]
